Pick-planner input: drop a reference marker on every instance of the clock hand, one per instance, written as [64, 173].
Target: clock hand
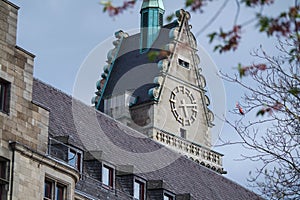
[190, 105]
[183, 106]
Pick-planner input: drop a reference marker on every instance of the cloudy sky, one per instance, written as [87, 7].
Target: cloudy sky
[63, 33]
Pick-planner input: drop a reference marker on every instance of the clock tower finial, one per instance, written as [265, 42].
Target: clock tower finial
[151, 21]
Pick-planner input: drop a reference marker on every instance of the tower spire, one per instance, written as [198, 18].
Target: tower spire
[151, 21]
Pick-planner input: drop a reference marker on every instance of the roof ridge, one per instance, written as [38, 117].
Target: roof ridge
[52, 87]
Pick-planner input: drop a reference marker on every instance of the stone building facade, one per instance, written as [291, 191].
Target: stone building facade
[55, 147]
[24, 123]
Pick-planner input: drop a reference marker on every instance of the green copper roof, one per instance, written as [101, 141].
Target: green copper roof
[153, 4]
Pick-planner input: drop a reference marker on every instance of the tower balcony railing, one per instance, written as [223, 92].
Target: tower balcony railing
[199, 154]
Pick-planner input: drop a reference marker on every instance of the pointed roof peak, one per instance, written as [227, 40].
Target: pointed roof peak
[153, 4]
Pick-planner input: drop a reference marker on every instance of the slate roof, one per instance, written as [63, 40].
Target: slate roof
[120, 145]
[136, 74]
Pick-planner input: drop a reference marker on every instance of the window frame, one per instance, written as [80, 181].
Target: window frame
[142, 192]
[78, 156]
[111, 176]
[48, 189]
[4, 177]
[183, 63]
[54, 185]
[168, 195]
[61, 151]
[5, 88]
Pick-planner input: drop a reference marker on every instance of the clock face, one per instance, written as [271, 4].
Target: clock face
[183, 105]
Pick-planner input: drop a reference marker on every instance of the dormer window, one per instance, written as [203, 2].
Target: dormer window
[108, 176]
[139, 189]
[4, 95]
[183, 63]
[168, 196]
[71, 155]
[75, 158]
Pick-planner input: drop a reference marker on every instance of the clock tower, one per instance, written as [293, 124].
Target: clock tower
[156, 87]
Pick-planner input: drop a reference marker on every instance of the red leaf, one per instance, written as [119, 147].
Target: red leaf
[240, 108]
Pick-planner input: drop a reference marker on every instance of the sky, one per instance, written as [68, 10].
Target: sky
[63, 34]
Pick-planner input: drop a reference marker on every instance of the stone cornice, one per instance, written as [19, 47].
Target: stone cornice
[46, 160]
[11, 4]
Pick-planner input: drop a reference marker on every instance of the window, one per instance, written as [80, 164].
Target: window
[74, 158]
[4, 95]
[161, 19]
[183, 63]
[145, 31]
[48, 190]
[108, 176]
[54, 190]
[60, 192]
[65, 153]
[139, 190]
[168, 197]
[183, 133]
[4, 181]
